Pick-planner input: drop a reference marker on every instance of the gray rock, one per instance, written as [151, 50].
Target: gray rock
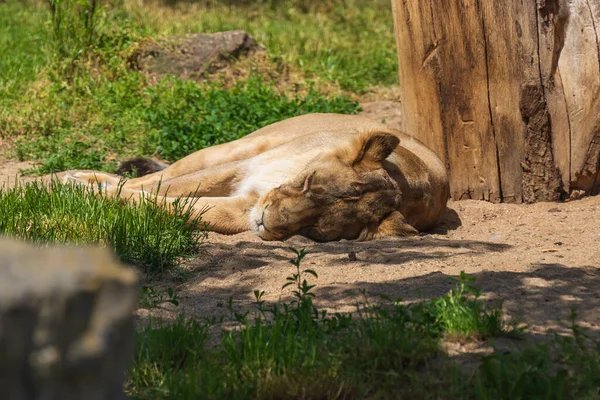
[66, 323]
[192, 56]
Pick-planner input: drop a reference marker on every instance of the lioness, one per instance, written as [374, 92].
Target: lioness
[324, 176]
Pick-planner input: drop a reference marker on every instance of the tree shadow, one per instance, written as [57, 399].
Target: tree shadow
[219, 259]
[207, 292]
[541, 296]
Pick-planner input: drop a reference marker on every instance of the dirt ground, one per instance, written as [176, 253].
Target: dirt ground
[542, 259]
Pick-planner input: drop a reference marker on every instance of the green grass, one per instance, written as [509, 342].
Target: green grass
[95, 122]
[22, 37]
[564, 367]
[349, 42]
[290, 350]
[144, 234]
[293, 350]
[188, 117]
[77, 104]
[462, 316]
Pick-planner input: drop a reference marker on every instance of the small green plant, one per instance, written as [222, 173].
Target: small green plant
[73, 27]
[564, 367]
[143, 233]
[151, 297]
[302, 290]
[461, 314]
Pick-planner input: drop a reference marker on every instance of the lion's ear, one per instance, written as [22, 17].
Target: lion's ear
[371, 148]
[308, 184]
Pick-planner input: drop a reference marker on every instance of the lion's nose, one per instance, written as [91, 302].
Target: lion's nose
[261, 222]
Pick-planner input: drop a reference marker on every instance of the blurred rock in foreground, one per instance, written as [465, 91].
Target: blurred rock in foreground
[66, 322]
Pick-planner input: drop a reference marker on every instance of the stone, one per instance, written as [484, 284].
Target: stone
[193, 56]
[66, 322]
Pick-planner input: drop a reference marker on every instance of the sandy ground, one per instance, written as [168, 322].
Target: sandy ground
[10, 171]
[543, 259]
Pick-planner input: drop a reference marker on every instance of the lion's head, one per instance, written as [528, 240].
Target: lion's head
[342, 194]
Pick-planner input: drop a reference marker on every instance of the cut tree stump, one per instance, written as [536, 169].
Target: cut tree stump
[507, 93]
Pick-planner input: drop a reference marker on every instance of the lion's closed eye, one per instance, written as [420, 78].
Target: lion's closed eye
[352, 193]
[351, 198]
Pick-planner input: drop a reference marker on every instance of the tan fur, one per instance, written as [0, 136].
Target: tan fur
[324, 176]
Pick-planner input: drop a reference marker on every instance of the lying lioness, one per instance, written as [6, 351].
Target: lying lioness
[324, 176]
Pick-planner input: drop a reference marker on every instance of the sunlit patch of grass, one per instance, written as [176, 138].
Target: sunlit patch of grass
[22, 36]
[462, 315]
[144, 233]
[350, 42]
[92, 110]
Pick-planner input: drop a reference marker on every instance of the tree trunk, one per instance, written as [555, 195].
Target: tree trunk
[506, 92]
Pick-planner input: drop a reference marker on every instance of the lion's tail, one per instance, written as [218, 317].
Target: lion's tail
[140, 166]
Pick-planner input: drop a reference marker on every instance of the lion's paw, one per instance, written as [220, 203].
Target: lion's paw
[86, 179]
[69, 177]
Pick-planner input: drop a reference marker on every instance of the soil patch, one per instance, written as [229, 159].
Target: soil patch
[542, 259]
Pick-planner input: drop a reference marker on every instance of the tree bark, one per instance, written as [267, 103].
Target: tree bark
[507, 93]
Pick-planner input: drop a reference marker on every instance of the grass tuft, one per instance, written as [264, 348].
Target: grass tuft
[462, 315]
[144, 233]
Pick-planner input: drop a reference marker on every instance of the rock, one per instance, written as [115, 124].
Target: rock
[192, 56]
[66, 322]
